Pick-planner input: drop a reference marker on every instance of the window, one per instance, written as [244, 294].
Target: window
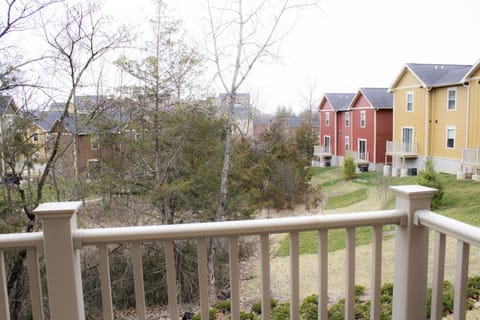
[138, 137]
[407, 139]
[363, 119]
[451, 99]
[93, 169]
[35, 136]
[94, 143]
[450, 137]
[326, 144]
[347, 143]
[327, 119]
[347, 119]
[362, 149]
[409, 100]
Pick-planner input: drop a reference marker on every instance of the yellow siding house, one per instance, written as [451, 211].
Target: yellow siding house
[430, 112]
[471, 152]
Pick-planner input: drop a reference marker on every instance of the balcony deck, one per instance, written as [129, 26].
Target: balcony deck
[61, 243]
[402, 150]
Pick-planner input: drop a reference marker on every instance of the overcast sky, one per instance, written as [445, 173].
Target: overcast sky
[344, 44]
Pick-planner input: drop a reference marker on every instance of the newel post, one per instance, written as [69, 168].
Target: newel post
[411, 255]
[64, 279]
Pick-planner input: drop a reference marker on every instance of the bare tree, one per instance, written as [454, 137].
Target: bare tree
[77, 39]
[243, 33]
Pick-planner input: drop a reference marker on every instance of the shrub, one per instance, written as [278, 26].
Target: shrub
[281, 312]
[247, 316]
[257, 307]
[431, 178]
[348, 168]
[223, 305]
[212, 315]
[309, 307]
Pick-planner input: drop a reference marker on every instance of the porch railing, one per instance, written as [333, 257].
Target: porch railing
[359, 156]
[61, 243]
[321, 151]
[402, 148]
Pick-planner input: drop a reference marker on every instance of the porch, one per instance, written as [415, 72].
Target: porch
[402, 149]
[323, 155]
[471, 160]
[61, 243]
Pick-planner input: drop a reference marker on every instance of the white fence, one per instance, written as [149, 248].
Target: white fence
[61, 242]
[471, 156]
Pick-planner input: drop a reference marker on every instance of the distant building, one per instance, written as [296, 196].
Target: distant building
[242, 112]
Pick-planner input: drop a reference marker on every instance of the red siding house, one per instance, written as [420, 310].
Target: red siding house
[335, 126]
[372, 125]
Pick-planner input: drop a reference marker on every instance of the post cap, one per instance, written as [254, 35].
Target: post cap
[414, 191]
[57, 210]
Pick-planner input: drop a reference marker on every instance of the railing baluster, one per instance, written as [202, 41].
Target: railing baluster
[105, 285]
[4, 307]
[350, 275]
[265, 256]
[234, 277]
[35, 284]
[438, 276]
[138, 281]
[203, 276]
[376, 272]
[171, 279]
[323, 274]
[461, 279]
[294, 277]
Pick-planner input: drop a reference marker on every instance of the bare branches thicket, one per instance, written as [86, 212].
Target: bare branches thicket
[77, 36]
[242, 34]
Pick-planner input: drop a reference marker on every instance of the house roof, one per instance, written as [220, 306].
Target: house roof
[435, 75]
[378, 98]
[5, 102]
[338, 101]
[472, 70]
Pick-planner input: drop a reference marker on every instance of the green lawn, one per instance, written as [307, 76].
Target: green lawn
[461, 201]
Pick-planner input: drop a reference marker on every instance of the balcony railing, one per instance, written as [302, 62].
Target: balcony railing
[322, 151]
[362, 157]
[61, 243]
[471, 157]
[402, 149]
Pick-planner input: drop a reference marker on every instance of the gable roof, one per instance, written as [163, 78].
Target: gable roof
[5, 103]
[338, 101]
[434, 75]
[472, 70]
[378, 98]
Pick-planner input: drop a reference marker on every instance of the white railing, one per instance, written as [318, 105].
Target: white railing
[471, 156]
[402, 148]
[322, 150]
[62, 242]
[359, 156]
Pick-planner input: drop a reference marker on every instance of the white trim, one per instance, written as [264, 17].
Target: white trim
[347, 125]
[448, 99]
[454, 128]
[347, 138]
[327, 119]
[329, 143]
[94, 138]
[363, 117]
[413, 134]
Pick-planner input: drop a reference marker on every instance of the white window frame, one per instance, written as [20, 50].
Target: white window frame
[363, 119]
[327, 119]
[347, 119]
[89, 164]
[347, 143]
[35, 137]
[454, 90]
[450, 129]
[329, 144]
[94, 142]
[409, 104]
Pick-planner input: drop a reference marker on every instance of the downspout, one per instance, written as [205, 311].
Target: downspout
[427, 125]
[335, 135]
[467, 85]
[375, 137]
